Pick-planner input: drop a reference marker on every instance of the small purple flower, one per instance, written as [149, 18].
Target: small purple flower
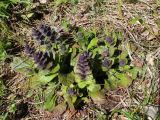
[109, 40]
[122, 62]
[71, 91]
[106, 63]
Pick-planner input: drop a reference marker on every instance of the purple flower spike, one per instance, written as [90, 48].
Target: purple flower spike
[44, 34]
[83, 68]
[29, 50]
[44, 60]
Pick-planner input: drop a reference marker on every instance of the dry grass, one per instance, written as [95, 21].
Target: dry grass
[142, 42]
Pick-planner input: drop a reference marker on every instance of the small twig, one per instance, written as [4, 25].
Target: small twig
[133, 37]
[119, 104]
[129, 52]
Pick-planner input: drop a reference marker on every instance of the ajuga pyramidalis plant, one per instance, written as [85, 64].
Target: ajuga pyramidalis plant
[82, 67]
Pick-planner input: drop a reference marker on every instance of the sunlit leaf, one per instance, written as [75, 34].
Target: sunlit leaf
[41, 79]
[94, 87]
[93, 43]
[125, 80]
[111, 51]
[97, 97]
[82, 84]
[21, 65]
[50, 97]
[66, 79]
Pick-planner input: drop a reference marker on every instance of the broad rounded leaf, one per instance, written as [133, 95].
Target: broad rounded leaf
[93, 43]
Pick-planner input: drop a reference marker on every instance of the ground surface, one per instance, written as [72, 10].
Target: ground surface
[140, 21]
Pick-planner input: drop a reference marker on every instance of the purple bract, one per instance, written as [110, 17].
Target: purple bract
[83, 68]
[106, 63]
[71, 91]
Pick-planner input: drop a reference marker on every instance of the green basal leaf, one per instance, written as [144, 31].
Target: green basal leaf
[50, 102]
[82, 84]
[94, 87]
[65, 23]
[85, 83]
[123, 55]
[92, 43]
[90, 81]
[69, 100]
[133, 72]
[77, 78]
[111, 50]
[115, 37]
[74, 53]
[111, 82]
[97, 97]
[74, 1]
[50, 96]
[136, 20]
[74, 56]
[101, 49]
[55, 69]
[74, 98]
[125, 68]
[41, 79]
[21, 65]
[95, 52]
[66, 79]
[26, 17]
[64, 89]
[125, 80]
[116, 79]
